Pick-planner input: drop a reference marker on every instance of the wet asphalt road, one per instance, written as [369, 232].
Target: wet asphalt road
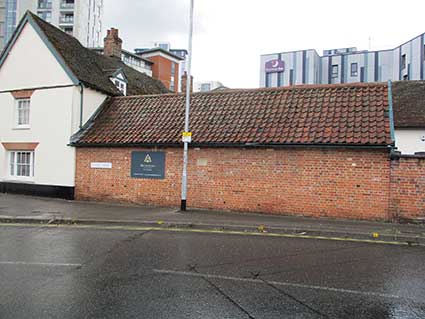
[92, 273]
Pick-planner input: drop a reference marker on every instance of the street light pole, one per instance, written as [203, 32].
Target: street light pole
[186, 134]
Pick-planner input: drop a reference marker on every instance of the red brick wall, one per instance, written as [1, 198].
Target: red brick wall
[408, 187]
[161, 70]
[313, 182]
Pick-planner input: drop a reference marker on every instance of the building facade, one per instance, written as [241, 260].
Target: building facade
[281, 153]
[347, 65]
[166, 67]
[133, 61]
[80, 18]
[179, 53]
[41, 110]
[2, 21]
[206, 86]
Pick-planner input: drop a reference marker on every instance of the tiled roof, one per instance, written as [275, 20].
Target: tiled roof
[328, 114]
[92, 68]
[409, 104]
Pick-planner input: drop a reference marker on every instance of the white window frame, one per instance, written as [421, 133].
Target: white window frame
[18, 103]
[12, 167]
[335, 71]
[120, 85]
[354, 72]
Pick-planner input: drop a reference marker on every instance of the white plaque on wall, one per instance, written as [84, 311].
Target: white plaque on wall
[101, 165]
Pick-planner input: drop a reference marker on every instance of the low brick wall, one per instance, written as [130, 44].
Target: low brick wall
[343, 183]
[408, 187]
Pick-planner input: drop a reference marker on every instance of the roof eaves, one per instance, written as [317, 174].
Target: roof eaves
[78, 135]
[76, 143]
[100, 89]
[163, 51]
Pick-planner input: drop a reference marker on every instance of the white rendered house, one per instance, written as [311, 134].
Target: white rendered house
[50, 85]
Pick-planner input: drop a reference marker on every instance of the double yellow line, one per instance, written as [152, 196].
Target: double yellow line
[210, 231]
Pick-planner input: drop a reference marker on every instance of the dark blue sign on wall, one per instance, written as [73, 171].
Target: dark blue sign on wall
[148, 165]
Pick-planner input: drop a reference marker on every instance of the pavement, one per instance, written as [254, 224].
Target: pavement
[91, 271]
[19, 209]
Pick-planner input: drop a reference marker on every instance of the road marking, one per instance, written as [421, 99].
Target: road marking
[211, 231]
[277, 283]
[39, 264]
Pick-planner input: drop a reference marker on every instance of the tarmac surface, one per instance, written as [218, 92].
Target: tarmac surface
[92, 271]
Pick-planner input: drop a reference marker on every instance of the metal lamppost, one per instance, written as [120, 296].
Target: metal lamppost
[187, 135]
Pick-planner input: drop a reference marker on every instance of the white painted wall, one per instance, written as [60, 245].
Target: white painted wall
[30, 64]
[92, 101]
[50, 114]
[410, 141]
[388, 64]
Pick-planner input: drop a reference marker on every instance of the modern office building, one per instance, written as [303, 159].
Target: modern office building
[132, 60]
[206, 86]
[166, 67]
[80, 18]
[405, 62]
[2, 22]
[179, 53]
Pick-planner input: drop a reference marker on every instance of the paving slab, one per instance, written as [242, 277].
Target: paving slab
[30, 209]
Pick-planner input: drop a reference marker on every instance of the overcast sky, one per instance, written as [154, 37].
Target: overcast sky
[230, 35]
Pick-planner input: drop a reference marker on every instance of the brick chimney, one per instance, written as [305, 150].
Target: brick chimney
[184, 82]
[112, 44]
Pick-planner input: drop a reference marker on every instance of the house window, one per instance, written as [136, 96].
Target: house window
[21, 164]
[354, 69]
[403, 61]
[66, 18]
[44, 4]
[23, 113]
[335, 71]
[173, 69]
[205, 87]
[121, 85]
[45, 15]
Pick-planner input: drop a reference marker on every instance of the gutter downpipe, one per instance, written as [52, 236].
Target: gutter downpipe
[390, 111]
[81, 104]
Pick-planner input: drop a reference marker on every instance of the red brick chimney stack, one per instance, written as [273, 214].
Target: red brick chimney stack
[112, 44]
[184, 82]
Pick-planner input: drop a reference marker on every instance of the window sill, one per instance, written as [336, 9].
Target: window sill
[21, 128]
